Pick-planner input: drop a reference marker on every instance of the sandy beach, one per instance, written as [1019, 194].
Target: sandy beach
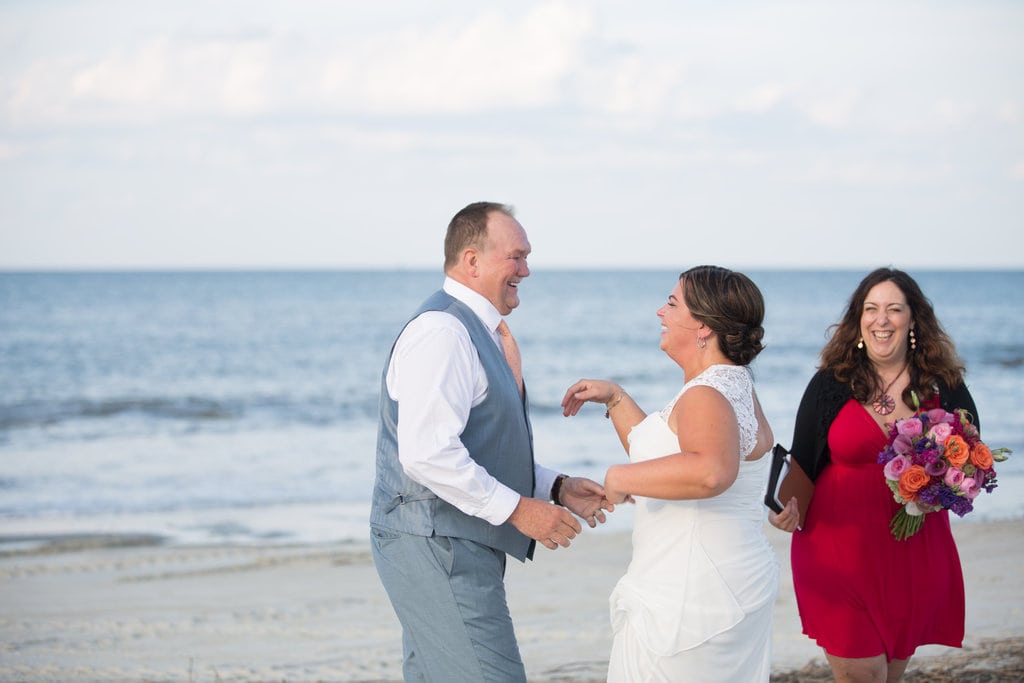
[126, 608]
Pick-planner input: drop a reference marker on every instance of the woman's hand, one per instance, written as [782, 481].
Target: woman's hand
[586, 499]
[611, 490]
[589, 390]
[788, 519]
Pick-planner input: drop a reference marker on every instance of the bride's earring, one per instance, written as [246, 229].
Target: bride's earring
[860, 343]
[702, 342]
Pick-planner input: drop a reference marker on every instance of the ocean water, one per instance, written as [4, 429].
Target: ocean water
[240, 407]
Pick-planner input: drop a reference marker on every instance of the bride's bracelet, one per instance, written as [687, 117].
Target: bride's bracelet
[609, 406]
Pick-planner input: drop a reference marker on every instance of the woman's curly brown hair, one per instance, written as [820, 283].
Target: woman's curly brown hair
[934, 358]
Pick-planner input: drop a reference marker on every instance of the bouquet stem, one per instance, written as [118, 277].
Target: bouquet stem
[904, 525]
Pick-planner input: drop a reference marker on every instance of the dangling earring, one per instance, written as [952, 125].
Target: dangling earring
[702, 342]
[913, 340]
[860, 343]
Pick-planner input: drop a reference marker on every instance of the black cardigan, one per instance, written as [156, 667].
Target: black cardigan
[822, 401]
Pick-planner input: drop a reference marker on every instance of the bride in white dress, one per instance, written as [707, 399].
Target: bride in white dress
[697, 600]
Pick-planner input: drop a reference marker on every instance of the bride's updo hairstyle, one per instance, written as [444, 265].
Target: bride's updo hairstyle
[731, 305]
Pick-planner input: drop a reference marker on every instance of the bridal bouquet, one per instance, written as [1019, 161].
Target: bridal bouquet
[936, 460]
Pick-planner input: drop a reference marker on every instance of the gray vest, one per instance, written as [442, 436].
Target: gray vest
[498, 436]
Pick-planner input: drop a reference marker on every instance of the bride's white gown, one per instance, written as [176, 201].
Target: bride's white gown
[696, 602]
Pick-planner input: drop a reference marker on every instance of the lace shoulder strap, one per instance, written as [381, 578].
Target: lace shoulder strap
[735, 383]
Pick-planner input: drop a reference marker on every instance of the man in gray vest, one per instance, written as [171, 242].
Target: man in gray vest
[457, 488]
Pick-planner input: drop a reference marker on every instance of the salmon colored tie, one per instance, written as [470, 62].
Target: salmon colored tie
[515, 361]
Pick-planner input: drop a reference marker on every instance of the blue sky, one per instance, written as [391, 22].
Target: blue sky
[141, 134]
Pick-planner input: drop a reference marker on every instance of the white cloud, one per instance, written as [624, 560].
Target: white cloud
[245, 117]
[1011, 113]
[486, 62]
[875, 172]
[762, 98]
[835, 110]
[156, 80]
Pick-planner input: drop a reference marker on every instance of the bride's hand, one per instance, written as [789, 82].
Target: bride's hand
[617, 498]
[585, 498]
[611, 491]
[588, 390]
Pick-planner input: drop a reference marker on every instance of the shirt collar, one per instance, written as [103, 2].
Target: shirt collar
[479, 304]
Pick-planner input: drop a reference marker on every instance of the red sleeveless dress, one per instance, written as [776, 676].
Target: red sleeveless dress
[860, 592]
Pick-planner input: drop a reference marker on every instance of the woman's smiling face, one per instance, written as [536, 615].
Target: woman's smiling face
[885, 322]
[678, 326]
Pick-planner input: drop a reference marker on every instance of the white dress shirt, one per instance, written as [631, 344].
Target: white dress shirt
[436, 377]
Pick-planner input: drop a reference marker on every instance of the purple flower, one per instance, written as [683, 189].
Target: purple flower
[949, 499]
[928, 455]
[902, 444]
[961, 506]
[936, 467]
[931, 494]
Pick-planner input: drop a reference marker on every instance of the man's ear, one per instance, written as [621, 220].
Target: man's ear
[471, 262]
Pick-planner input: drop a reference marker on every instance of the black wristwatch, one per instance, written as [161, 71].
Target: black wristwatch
[556, 488]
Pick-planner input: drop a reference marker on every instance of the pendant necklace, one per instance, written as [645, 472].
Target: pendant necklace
[884, 403]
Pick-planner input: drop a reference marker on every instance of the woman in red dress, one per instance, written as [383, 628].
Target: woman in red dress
[868, 599]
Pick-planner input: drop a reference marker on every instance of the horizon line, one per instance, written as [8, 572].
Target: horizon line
[171, 269]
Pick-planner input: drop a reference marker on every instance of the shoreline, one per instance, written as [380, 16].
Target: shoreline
[108, 607]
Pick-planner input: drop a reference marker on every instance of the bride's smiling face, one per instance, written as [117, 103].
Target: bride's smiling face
[678, 326]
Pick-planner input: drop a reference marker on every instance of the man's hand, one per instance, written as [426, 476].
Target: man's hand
[586, 498]
[551, 525]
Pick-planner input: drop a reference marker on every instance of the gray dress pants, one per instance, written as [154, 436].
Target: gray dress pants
[449, 595]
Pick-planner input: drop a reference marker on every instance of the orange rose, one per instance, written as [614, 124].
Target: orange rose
[981, 456]
[912, 480]
[957, 451]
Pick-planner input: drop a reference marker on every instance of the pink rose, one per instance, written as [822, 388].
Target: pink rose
[938, 415]
[895, 467]
[909, 427]
[940, 432]
[954, 477]
[970, 488]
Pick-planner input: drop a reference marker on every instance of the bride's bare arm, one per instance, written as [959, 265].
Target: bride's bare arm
[706, 464]
[619, 406]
